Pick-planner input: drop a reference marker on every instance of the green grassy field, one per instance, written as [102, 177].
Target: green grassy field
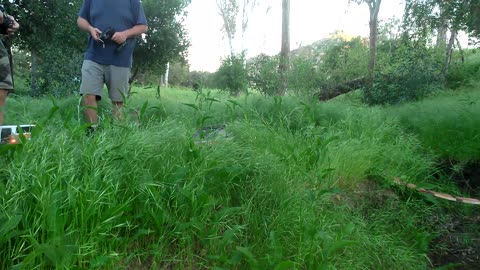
[291, 184]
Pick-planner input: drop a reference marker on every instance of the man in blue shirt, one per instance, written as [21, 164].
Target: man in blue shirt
[106, 62]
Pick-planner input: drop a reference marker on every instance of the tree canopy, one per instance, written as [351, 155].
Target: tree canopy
[166, 39]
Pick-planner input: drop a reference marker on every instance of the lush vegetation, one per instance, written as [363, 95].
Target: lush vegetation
[226, 174]
[290, 184]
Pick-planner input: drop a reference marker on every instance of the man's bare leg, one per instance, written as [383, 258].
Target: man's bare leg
[90, 111]
[3, 98]
[117, 107]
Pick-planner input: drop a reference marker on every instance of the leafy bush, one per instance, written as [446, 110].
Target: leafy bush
[345, 61]
[461, 73]
[323, 63]
[304, 76]
[263, 75]
[58, 72]
[232, 75]
[414, 71]
[198, 80]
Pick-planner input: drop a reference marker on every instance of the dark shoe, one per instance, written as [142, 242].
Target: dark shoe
[90, 131]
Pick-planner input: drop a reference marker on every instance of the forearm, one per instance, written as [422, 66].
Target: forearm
[84, 24]
[137, 30]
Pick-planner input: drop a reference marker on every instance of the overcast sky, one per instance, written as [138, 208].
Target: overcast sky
[310, 20]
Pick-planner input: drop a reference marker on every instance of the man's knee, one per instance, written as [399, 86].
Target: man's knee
[3, 95]
[90, 100]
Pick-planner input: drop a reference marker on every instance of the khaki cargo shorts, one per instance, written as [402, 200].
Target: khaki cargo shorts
[95, 75]
[6, 80]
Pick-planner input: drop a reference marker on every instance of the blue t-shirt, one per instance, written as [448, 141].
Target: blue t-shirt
[119, 15]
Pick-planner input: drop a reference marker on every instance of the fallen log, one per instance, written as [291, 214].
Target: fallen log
[340, 89]
[440, 195]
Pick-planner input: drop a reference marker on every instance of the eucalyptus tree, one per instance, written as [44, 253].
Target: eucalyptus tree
[374, 9]
[228, 10]
[426, 18]
[247, 7]
[232, 72]
[285, 49]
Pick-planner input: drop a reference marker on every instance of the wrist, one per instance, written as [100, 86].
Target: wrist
[127, 33]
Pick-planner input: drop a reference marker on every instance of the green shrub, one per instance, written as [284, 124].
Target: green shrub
[232, 75]
[461, 74]
[263, 75]
[58, 72]
[304, 77]
[345, 61]
[414, 73]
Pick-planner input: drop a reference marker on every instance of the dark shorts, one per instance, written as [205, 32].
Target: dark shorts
[6, 82]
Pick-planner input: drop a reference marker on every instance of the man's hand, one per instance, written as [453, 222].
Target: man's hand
[14, 27]
[95, 33]
[85, 26]
[120, 37]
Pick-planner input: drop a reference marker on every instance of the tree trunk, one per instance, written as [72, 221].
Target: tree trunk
[285, 52]
[166, 74]
[374, 8]
[244, 23]
[449, 52]
[161, 82]
[460, 50]
[228, 10]
[343, 88]
[230, 42]
[442, 30]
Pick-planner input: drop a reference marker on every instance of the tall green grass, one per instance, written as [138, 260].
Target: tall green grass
[282, 190]
[448, 124]
[294, 184]
[165, 200]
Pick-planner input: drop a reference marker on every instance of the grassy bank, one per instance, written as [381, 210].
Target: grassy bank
[292, 184]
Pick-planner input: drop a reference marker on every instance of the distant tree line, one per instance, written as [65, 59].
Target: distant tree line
[402, 59]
